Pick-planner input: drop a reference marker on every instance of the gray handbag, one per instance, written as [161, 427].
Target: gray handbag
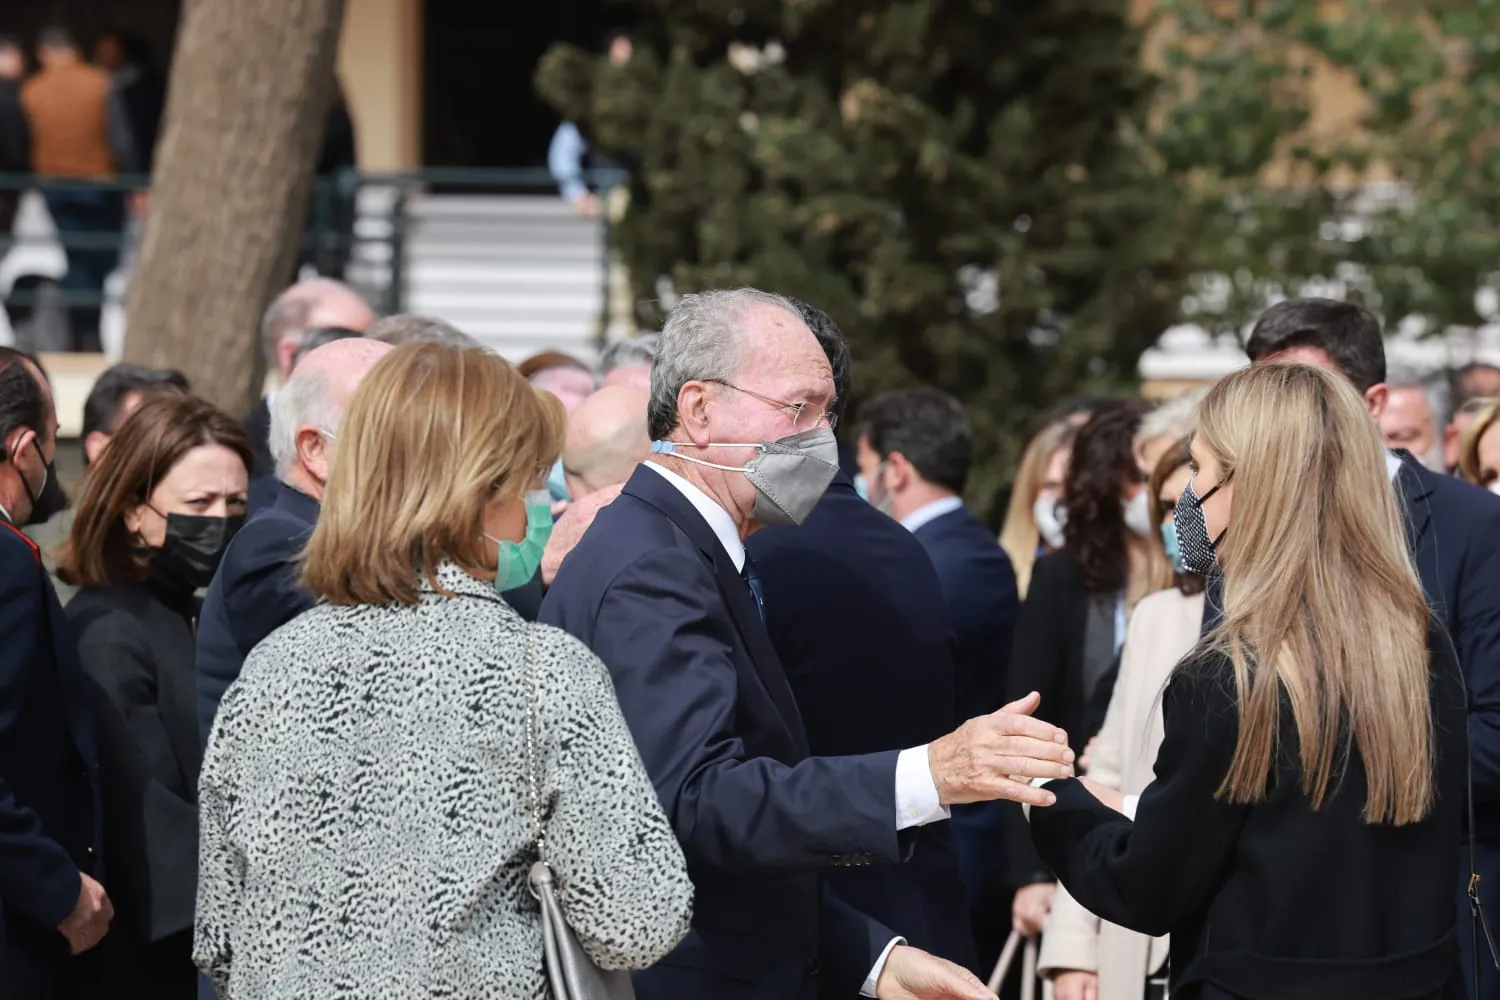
[570, 971]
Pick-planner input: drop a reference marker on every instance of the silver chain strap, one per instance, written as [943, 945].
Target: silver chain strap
[533, 757]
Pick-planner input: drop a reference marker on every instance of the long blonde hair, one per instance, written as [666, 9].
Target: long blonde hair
[432, 436]
[1019, 536]
[1322, 604]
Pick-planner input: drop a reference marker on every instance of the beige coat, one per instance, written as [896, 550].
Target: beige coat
[1163, 629]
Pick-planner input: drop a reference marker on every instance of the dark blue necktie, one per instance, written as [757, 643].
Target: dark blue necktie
[752, 580]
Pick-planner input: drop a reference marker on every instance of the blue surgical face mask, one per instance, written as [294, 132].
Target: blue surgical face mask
[1169, 538]
[557, 483]
[861, 488]
[517, 562]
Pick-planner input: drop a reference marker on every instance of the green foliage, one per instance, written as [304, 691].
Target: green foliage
[996, 197]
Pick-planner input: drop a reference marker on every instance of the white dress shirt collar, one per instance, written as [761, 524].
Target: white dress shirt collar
[930, 512]
[1392, 465]
[718, 518]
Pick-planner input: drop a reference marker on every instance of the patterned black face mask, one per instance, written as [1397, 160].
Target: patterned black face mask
[1195, 548]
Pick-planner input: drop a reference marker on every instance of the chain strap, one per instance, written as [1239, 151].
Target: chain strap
[533, 757]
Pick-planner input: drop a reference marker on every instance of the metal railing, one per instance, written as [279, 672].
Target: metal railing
[359, 228]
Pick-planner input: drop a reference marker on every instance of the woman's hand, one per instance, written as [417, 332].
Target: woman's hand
[1109, 796]
[1028, 911]
[1075, 985]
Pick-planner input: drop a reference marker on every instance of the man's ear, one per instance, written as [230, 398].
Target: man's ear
[899, 472]
[94, 445]
[20, 439]
[692, 412]
[312, 452]
[1376, 397]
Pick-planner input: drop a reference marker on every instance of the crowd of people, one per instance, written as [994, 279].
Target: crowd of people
[776, 715]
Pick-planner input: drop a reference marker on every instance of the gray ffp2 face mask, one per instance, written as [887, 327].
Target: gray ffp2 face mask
[789, 474]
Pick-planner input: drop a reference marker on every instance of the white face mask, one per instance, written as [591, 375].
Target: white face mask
[1051, 519]
[1138, 514]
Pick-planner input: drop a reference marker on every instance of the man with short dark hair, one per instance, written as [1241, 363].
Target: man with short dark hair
[116, 394]
[915, 448]
[1455, 533]
[51, 901]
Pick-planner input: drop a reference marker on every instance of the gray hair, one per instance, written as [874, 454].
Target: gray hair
[638, 350]
[410, 328]
[1431, 383]
[1176, 418]
[703, 340]
[303, 402]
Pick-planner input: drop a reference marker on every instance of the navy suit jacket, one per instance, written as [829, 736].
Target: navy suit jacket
[979, 586]
[49, 787]
[857, 618]
[652, 591]
[254, 593]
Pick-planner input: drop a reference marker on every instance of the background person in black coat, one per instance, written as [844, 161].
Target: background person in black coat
[51, 902]
[1453, 529]
[856, 615]
[153, 521]
[1298, 841]
[915, 448]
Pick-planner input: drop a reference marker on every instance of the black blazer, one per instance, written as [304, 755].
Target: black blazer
[254, 593]
[49, 800]
[652, 591]
[1272, 899]
[136, 645]
[863, 688]
[258, 426]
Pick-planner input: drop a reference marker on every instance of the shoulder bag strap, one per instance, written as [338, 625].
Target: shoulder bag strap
[533, 752]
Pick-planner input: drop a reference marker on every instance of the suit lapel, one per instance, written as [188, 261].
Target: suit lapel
[1413, 488]
[650, 488]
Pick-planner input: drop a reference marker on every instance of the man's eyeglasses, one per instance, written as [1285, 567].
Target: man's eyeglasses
[804, 417]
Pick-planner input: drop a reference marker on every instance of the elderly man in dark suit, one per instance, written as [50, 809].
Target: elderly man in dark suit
[863, 688]
[52, 905]
[255, 590]
[660, 588]
[1454, 529]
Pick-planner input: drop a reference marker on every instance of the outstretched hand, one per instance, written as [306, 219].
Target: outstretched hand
[994, 757]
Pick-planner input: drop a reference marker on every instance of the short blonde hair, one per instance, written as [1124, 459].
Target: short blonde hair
[432, 436]
[1468, 463]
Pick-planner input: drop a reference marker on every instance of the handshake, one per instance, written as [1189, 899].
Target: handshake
[995, 756]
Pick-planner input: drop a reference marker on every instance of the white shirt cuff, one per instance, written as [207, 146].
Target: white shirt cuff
[1128, 806]
[1035, 783]
[873, 979]
[916, 793]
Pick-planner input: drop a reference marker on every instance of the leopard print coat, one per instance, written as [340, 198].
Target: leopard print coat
[367, 825]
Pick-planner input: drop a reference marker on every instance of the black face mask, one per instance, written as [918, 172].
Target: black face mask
[48, 501]
[193, 549]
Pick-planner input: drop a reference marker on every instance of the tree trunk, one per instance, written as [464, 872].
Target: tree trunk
[251, 85]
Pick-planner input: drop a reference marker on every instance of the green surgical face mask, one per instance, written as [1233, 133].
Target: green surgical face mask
[518, 562]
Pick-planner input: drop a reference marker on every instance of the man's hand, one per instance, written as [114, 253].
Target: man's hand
[1029, 909]
[90, 918]
[1075, 985]
[993, 757]
[912, 974]
[569, 529]
[1111, 797]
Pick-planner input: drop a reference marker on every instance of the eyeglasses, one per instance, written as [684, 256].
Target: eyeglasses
[804, 418]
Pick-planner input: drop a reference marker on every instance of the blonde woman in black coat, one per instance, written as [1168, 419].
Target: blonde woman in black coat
[1300, 840]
